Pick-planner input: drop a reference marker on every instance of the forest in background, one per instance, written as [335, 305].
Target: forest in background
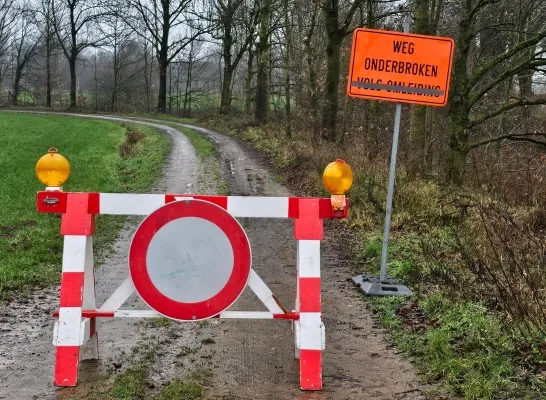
[469, 218]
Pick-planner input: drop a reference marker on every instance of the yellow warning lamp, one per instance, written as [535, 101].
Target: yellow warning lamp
[338, 179]
[53, 169]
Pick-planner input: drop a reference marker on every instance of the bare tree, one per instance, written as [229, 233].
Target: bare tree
[167, 22]
[479, 70]
[74, 23]
[426, 17]
[8, 18]
[117, 34]
[336, 31]
[44, 22]
[25, 44]
[236, 22]
[287, 80]
[263, 62]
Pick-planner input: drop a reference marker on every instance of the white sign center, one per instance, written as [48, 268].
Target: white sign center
[190, 259]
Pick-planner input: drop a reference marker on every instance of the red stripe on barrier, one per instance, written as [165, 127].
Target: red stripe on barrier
[293, 207]
[66, 365]
[91, 314]
[310, 369]
[94, 203]
[309, 294]
[77, 220]
[71, 289]
[308, 226]
[292, 316]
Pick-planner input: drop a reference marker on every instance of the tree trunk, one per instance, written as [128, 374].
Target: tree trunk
[525, 83]
[146, 79]
[115, 88]
[459, 111]
[418, 113]
[48, 72]
[73, 81]
[16, 83]
[48, 76]
[162, 96]
[225, 101]
[330, 107]
[262, 90]
[227, 43]
[287, 70]
[248, 82]
[187, 91]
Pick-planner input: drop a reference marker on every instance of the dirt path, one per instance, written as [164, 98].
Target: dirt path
[26, 325]
[256, 359]
[244, 359]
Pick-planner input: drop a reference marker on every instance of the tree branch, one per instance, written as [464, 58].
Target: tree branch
[480, 72]
[504, 108]
[509, 136]
[507, 74]
[349, 17]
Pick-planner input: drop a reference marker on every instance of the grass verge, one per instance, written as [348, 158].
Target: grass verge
[104, 157]
[458, 325]
[131, 384]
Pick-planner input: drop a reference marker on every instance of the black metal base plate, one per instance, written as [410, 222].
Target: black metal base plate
[373, 286]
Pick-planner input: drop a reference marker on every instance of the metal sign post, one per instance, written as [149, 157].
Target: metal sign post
[386, 286]
[403, 68]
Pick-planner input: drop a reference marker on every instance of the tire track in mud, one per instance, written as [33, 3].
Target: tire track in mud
[250, 359]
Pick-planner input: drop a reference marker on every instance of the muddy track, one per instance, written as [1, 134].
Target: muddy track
[249, 359]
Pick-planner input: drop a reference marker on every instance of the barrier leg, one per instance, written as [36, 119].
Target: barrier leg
[77, 227]
[308, 231]
[89, 350]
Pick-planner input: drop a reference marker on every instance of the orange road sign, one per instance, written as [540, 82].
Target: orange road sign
[400, 67]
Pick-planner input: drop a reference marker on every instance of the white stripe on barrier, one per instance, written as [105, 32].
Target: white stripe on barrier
[74, 253]
[136, 314]
[261, 290]
[67, 330]
[120, 296]
[310, 332]
[246, 314]
[309, 258]
[130, 204]
[258, 207]
[223, 314]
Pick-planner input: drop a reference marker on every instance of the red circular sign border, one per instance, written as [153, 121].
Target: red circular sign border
[242, 260]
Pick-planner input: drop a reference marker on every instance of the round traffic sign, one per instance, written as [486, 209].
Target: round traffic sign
[190, 260]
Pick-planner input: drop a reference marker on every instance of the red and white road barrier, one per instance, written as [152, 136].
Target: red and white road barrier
[76, 330]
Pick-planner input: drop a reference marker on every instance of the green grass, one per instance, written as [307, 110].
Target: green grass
[31, 245]
[459, 345]
[203, 147]
[131, 384]
[178, 390]
[463, 346]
